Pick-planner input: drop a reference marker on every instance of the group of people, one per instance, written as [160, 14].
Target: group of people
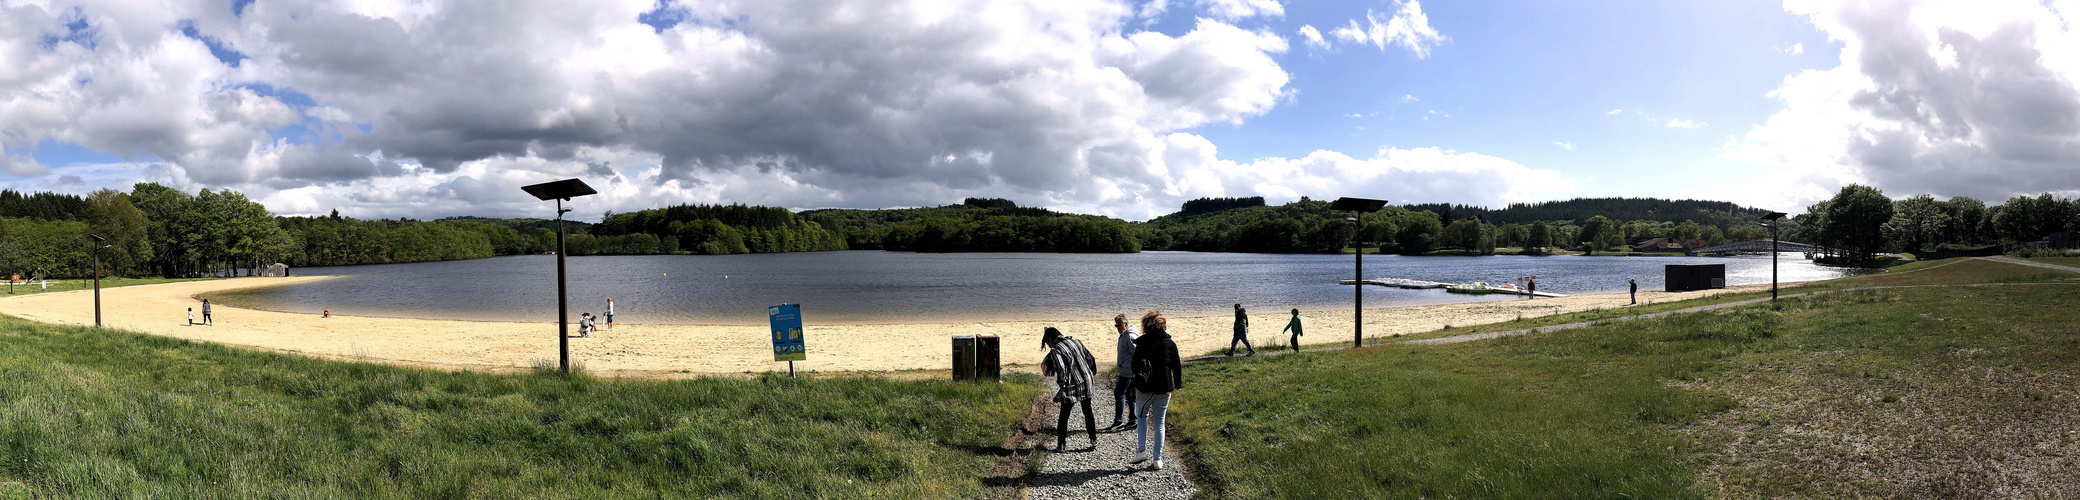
[205, 314]
[1149, 371]
[1242, 331]
[587, 324]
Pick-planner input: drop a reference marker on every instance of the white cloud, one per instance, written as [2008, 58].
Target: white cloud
[446, 106]
[1241, 9]
[1564, 145]
[1682, 123]
[1614, 111]
[1945, 98]
[1313, 37]
[1793, 49]
[1408, 28]
[1421, 175]
[1408, 98]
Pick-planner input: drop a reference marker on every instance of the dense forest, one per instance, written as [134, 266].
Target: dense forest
[979, 225]
[711, 230]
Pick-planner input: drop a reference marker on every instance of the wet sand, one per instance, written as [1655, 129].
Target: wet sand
[674, 351]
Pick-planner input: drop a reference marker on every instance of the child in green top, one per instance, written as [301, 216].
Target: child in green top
[1294, 325]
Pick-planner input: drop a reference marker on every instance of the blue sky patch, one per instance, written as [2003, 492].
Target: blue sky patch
[76, 31]
[663, 17]
[216, 48]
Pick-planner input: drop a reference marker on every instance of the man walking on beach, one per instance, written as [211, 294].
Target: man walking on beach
[1123, 385]
[610, 315]
[1294, 326]
[1241, 332]
[1635, 290]
[205, 313]
[1072, 367]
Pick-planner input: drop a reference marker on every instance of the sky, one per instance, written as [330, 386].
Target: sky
[430, 108]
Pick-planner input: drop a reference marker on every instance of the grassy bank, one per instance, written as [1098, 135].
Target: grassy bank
[96, 413]
[1906, 392]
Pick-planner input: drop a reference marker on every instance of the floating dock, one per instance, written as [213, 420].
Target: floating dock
[1473, 288]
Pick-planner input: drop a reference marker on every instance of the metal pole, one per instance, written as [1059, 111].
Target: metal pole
[1358, 309]
[97, 288]
[1773, 262]
[563, 337]
[790, 368]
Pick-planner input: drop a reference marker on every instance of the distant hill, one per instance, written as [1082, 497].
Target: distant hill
[1718, 213]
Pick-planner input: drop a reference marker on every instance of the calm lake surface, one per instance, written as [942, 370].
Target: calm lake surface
[896, 287]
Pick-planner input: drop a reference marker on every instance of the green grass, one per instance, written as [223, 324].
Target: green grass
[1804, 397]
[67, 285]
[102, 413]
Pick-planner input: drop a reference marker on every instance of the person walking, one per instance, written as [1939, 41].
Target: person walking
[1072, 368]
[1158, 372]
[1635, 290]
[1123, 384]
[1294, 326]
[191, 316]
[610, 314]
[1533, 291]
[205, 313]
[1241, 332]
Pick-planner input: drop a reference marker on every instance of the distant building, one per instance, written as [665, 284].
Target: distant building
[277, 270]
[2063, 240]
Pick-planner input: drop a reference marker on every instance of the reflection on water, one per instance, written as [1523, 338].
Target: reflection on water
[896, 287]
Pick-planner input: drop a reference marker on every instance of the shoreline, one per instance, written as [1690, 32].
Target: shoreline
[653, 351]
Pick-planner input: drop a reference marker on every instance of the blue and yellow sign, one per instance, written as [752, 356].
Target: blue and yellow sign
[787, 333]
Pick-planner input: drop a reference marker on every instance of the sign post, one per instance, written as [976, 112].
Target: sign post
[787, 335]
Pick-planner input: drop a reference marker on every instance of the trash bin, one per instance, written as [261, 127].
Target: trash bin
[986, 358]
[963, 357]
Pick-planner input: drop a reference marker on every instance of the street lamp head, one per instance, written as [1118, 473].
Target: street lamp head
[559, 190]
[1352, 219]
[1349, 204]
[97, 238]
[1773, 216]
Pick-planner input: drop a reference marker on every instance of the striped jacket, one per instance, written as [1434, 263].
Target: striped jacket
[1072, 367]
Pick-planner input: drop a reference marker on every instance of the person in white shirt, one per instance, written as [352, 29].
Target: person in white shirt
[610, 315]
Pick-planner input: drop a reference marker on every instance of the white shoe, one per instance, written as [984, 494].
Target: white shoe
[1139, 457]
[1159, 464]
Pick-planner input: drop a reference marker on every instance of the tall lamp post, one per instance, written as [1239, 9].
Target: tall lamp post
[1360, 206]
[100, 243]
[1772, 217]
[561, 191]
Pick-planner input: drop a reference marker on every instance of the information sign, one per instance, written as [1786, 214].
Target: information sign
[787, 333]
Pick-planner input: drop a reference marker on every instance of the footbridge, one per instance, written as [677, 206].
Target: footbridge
[1758, 246]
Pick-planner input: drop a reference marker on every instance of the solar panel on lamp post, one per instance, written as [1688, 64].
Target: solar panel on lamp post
[1359, 206]
[561, 191]
[1773, 217]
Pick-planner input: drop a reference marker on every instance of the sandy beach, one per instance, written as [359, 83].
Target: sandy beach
[674, 351]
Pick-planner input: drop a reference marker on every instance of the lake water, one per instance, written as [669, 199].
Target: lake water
[897, 287]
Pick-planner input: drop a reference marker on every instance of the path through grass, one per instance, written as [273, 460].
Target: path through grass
[1855, 393]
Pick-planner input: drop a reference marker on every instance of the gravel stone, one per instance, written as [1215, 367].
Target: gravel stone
[1102, 471]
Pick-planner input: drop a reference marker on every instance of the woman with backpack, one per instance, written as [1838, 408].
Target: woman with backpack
[1158, 371]
[1072, 367]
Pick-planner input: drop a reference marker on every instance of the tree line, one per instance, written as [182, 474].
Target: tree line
[979, 225]
[1860, 222]
[1309, 226]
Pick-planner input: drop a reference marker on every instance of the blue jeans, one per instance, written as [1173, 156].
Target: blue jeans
[1239, 338]
[1154, 407]
[1123, 400]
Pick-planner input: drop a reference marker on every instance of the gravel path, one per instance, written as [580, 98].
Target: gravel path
[1103, 472]
[2032, 263]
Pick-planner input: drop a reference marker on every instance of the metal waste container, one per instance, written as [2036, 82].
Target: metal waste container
[963, 357]
[986, 358]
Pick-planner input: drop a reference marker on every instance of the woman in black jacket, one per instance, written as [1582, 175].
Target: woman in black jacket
[1158, 371]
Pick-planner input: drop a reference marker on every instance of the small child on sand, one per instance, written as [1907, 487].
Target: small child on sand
[328, 312]
[191, 316]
